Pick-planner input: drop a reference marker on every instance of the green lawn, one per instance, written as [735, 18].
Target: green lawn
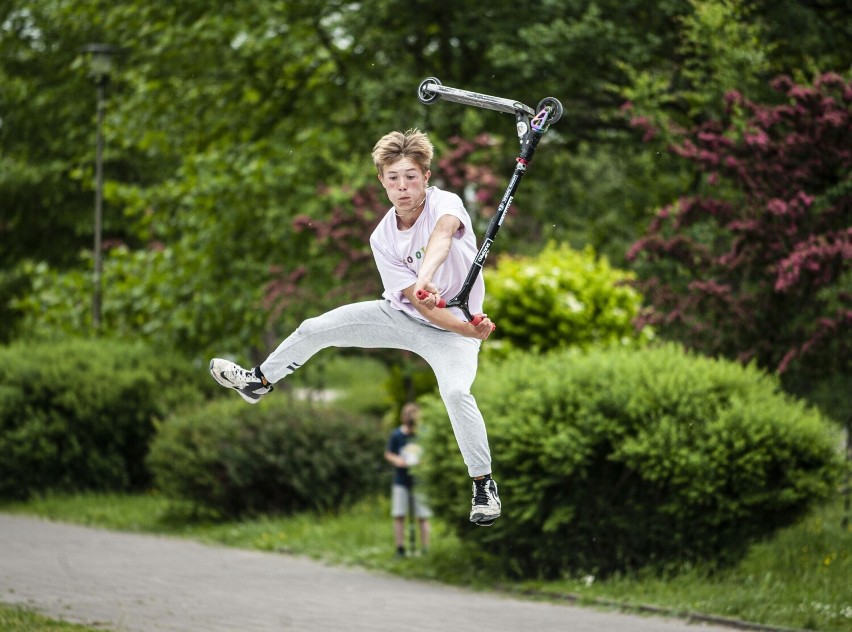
[16, 619]
[802, 578]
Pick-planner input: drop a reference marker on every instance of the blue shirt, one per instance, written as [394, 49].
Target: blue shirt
[398, 440]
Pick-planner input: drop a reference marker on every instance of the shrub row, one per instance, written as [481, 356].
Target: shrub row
[280, 456]
[80, 414]
[619, 459]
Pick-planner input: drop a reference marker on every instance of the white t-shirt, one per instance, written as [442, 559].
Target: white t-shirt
[399, 253]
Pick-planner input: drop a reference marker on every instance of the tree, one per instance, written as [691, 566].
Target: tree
[47, 110]
[226, 121]
[718, 46]
[757, 265]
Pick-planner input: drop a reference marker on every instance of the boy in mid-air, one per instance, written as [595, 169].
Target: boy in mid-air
[424, 246]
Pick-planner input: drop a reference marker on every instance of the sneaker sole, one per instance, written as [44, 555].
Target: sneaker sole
[248, 398]
[482, 520]
[221, 381]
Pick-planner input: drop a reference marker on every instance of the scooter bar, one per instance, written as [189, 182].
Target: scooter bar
[531, 125]
[431, 89]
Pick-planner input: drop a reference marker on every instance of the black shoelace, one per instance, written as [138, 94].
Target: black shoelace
[481, 496]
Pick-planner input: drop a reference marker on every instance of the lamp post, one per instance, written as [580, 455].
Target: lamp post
[100, 67]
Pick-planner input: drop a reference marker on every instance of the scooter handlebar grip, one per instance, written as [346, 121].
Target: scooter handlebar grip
[423, 294]
[478, 318]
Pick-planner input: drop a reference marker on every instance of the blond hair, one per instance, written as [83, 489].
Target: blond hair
[410, 411]
[412, 144]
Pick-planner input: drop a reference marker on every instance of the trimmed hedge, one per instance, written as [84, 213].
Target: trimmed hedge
[79, 414]
[620, 459]
[233, 459]
[562, 298]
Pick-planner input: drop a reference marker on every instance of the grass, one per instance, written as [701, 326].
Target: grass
[17, 619]
[801, 578]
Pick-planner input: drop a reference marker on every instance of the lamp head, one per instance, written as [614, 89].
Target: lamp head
[101, 61]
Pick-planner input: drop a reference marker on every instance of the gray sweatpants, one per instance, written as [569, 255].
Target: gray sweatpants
[376, 325]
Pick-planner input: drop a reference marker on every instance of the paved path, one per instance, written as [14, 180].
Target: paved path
[144, 583]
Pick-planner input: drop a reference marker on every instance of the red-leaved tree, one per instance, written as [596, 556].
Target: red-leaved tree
[756, 266]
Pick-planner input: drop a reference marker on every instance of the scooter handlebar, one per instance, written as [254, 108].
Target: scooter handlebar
[423, 294]
[431, 89]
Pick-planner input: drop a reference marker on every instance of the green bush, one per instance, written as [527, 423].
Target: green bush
[621, 459]
[561, 298]
[232, 459]
[79, 414]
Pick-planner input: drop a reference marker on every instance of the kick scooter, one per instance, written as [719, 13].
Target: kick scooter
[531, 126]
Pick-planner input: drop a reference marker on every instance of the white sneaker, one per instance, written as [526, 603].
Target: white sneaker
[250, 387]
[485, 506]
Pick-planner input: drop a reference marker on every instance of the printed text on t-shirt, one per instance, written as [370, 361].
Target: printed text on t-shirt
[417, 255]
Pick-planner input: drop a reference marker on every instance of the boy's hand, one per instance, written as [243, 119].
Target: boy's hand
[482, 329]
[427, 294]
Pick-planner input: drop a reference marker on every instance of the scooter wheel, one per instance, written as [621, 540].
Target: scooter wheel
[554, 106]
[427, 96]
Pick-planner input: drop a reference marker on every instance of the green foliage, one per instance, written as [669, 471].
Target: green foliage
[562, 298]
[617, 459]
[409, 376]
[798, 579]
[154, 295]
[724, 48]
[730, 45]
[225, 121]
[755, 264]
[355, 381]
[13, 283]
[78, 415]
[604, 200]
[232, 459]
